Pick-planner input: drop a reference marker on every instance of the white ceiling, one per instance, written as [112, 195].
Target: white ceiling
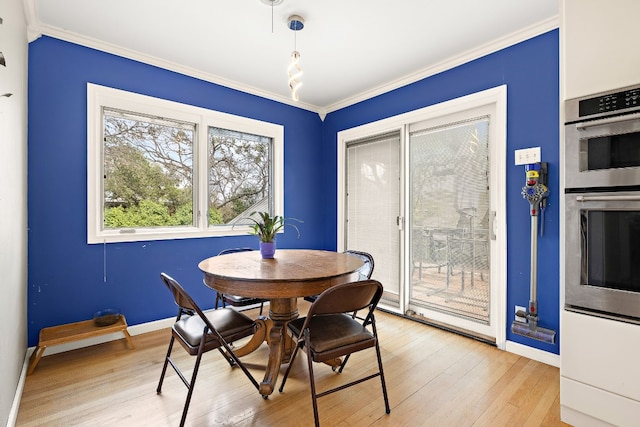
[350, 49]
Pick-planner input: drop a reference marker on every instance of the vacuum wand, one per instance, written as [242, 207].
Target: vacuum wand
[533, 283]
[536, 193]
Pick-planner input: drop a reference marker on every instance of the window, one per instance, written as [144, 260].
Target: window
[148, 171]
[238, 174]
[162, 170]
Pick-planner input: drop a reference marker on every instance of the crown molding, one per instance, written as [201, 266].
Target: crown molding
[33, 24]
[35, 29]
[169, 65]
[470, 55]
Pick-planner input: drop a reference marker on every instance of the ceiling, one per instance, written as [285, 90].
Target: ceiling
[350, 50]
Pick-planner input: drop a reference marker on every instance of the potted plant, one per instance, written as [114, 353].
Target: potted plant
[266, 228]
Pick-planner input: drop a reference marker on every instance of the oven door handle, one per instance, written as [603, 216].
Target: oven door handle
[607, 121]
[606, 198]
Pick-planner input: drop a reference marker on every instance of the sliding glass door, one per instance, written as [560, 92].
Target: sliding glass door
[423, 192]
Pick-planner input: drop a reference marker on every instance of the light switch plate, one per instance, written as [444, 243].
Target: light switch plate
[527, 156]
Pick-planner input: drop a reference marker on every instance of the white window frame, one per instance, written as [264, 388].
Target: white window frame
[99, 97]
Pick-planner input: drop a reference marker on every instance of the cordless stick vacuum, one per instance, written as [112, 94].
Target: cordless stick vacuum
[536, 192]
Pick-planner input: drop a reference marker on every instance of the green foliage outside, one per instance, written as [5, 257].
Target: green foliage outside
[152, 214]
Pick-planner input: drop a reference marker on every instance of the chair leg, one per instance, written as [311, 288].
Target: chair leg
[164, 367]
[382, 381]
[286, 373]
[312, 383]
[227, 357]
[192, 384]
[344, 362]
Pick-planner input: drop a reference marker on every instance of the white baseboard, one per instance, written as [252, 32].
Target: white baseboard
[512, 347]
[13, 413]
[533, 353]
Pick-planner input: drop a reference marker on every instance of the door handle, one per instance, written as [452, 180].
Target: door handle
[492, 224]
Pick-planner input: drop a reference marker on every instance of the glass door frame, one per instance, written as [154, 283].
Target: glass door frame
[497, 180]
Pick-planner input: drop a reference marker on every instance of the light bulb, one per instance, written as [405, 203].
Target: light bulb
[294, 72]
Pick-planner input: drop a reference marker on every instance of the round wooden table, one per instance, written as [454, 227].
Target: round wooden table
[293, 273]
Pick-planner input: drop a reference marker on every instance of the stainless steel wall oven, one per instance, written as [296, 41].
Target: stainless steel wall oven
[602, 201]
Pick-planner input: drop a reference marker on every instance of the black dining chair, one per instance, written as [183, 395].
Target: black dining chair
[330, 331]
[199, 333]
[364, 272]
[237, 300]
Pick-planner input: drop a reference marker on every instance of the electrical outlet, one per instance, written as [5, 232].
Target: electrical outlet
[518, 318]
[527, 156]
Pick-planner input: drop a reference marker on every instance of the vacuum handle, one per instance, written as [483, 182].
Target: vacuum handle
[533, 289]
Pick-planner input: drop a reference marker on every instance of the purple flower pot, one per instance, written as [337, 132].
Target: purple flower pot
[267, 249]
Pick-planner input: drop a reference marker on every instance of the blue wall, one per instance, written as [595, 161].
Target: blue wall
[66, 278]
[66, 275]
[531, 72]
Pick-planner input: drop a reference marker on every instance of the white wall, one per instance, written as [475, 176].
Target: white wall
[13, 203]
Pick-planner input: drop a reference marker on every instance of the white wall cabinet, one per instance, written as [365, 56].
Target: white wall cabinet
[600, 45]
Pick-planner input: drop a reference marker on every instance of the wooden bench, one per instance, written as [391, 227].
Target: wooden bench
[62, 334]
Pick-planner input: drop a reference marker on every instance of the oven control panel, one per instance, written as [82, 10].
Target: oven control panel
[614, 102]
[620, 101]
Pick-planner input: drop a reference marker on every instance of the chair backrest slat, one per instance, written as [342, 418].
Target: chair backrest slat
[348, 297]
[184, 301]
[367, 269]
[180, 296]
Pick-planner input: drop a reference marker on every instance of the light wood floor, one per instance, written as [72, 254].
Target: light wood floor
[434, 378]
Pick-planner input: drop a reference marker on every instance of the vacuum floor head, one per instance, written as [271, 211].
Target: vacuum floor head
[535, 332]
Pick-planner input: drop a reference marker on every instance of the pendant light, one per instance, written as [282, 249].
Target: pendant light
[294, 71]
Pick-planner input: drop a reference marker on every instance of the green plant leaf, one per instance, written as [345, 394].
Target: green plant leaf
[268, 226]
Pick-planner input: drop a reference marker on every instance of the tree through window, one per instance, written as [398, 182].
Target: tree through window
[159, 169]
[238, 174]
[148, 171]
